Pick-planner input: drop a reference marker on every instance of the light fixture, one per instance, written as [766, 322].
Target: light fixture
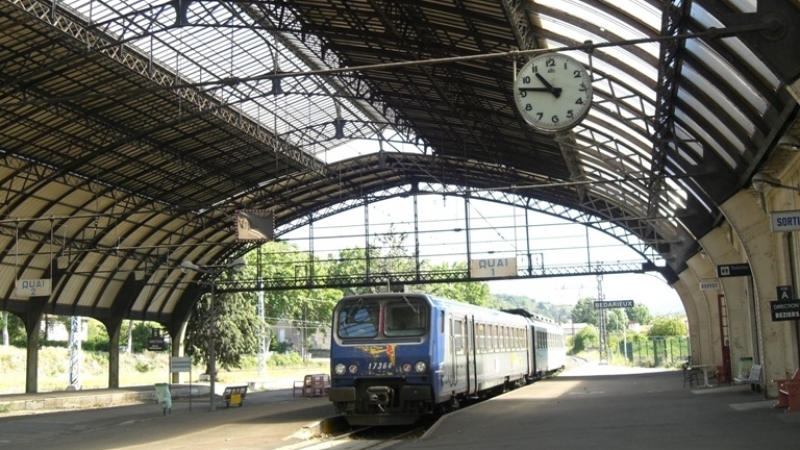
[761, 181]
[789, 142]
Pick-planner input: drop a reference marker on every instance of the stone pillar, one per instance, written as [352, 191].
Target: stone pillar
[691, 317]
[750, 223]
[113, 328]
[700, 327]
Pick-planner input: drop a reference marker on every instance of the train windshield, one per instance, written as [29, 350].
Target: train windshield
[359, 319]
[405, 318]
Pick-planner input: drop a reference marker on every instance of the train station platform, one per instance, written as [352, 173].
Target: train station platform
[590, 406]
[604, 407]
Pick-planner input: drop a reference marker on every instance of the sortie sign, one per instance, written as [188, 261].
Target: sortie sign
[784, 221]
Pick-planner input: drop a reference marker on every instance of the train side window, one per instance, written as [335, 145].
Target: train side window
[458, 337]
[481, 335]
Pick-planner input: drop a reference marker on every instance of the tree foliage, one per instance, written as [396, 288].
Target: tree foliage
[584, 311]
[473, 292]
[640, 314]
[668, 327]
[588, 337]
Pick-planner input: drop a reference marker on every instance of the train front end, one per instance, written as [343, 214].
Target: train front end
[380, 359]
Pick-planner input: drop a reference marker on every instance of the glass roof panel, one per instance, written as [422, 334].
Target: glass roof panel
[726, 73]
[707, 20]
[702, 110]
[233, 46]
[725, 104]
[700, 133]
[598, 17]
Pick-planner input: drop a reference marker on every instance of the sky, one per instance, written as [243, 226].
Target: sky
[649, 290]
[498, 231]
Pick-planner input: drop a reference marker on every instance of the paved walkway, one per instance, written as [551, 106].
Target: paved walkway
[605, 407]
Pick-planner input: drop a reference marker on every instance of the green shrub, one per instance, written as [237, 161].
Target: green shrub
[291, 359]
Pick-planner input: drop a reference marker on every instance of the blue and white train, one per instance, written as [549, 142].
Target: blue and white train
[396, 358]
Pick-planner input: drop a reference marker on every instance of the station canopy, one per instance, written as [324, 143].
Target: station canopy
[133, 131]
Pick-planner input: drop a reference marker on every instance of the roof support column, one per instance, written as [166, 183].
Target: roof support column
[701, 269]
[751, 225]
[113, 328]
[718, 246]
[691, 318]
[699, 328]
[33, 324]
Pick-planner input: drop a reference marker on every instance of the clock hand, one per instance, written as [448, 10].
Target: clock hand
[549, 87]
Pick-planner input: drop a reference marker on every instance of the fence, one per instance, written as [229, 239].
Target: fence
[656, 351]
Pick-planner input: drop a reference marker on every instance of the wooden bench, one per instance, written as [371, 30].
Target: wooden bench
[789, 392]
[312, 385]
[754, 378]
[234, 395]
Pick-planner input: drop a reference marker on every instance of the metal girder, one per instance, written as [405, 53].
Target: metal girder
[420, 277]
[94, 39]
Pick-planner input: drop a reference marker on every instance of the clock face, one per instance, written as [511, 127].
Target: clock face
[553, 92]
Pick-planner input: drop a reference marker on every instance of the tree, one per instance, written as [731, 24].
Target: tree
[473, 292]
[235, 324]
[584, 312]
[640, 314]
[616, 319]
[588, 337]
[674, 326]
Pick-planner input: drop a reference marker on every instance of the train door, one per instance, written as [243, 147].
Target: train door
[451, 361]
[535, 352]
[472, 357]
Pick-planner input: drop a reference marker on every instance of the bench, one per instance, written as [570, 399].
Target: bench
[789, 392]
[312, 385]
[754, 378]
[234, 395]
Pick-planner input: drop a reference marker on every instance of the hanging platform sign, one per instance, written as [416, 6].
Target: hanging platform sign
[784, 221]
[33, 288]
[493, 267]
[733, 270]
[785, 310]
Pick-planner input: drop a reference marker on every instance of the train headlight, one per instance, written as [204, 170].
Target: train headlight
[420, 367]
[339, 369]
[353, 368]
[407, 367]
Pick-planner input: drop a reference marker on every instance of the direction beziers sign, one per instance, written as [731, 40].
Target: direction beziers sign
[614, 304]
[785, 310]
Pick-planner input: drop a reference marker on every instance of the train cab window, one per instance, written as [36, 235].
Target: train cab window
[358, 319]
[406, 318]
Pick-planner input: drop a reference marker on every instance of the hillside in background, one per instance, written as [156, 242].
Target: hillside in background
[559, 313]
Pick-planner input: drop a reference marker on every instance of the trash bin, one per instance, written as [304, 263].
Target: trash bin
[164, 397]
[745, 364]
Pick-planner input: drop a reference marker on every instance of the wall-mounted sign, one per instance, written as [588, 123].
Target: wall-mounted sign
[784, 293]
[784, 221]
[733, 270]
[614, 304]
[785, 310]
[709, 285]
[493, 267]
